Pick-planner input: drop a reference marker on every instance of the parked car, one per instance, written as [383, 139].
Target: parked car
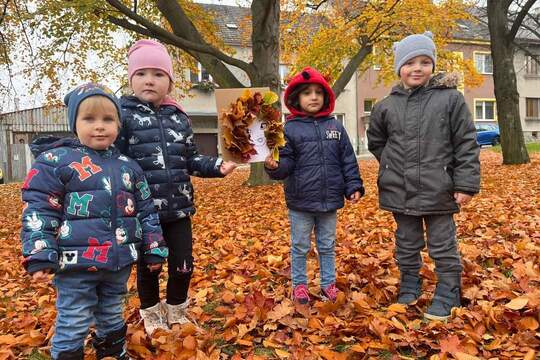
[487, 134]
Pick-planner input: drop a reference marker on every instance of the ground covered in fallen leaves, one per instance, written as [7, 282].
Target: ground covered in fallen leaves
[241, 291]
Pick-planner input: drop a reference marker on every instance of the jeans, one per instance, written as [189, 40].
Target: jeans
[302, 224]
[179, 239]
[441, 242]
[84, 298]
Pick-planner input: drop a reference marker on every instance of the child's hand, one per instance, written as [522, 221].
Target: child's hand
[270, 163]
[41, 276]
[355, 197]
[227, 167]
[461, 198]
[154, 267]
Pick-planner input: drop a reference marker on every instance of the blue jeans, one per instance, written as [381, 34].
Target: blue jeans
[84, 298]
[302, 224]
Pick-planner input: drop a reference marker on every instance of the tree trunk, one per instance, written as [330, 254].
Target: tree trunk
[504, 76]
[265, 42]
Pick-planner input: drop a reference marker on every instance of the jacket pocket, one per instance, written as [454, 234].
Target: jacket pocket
[382, 170]
[448, 180]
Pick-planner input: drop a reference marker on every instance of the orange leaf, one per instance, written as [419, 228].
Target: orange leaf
[517, 303]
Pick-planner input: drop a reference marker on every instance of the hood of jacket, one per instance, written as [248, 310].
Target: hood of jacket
[310, 76]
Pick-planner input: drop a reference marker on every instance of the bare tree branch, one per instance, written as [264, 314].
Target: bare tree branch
[316, 6]
[519, 19]
[532, 30]
[172, 39]
[4, 12]
[352, 66]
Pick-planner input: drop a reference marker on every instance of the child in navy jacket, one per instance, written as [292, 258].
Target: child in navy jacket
[320, 169]
[88, 217]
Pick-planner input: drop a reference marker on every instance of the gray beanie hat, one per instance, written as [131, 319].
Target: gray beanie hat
[413, 46]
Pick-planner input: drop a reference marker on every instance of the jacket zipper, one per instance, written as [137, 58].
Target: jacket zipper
[321, 150]
[111, 171]
[165, 161]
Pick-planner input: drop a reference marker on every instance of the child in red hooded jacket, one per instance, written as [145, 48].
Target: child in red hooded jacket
[320, 169]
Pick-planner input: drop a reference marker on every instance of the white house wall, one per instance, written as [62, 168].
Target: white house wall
[528, 87]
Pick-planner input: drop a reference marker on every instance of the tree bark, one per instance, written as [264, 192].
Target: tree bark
[265, 42]
[504, 76]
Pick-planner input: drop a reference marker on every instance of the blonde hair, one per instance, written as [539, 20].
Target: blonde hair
[97, 103]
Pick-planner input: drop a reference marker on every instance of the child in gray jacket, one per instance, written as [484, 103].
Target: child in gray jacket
[424, 138]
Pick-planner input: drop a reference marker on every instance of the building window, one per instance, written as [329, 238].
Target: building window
[533, 105]
[532, 67]
[340, 118]
[483, 63]
[200, 75]
[484, 109]
[368, 105]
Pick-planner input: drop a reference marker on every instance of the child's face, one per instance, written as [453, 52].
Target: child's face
[151, 85]
[416, 71]
[311, 99]
[97, 123]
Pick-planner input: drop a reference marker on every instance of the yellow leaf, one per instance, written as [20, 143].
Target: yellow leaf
[275, 153]
[282, 353]
[529, 355]
[270, 97]
[398, 308]
[517, 303]
[529, 323]
[463, 356]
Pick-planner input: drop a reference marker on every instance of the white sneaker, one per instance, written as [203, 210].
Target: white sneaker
[176, 314]
[153, 319]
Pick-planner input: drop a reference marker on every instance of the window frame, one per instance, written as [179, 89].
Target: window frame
[527, 114]
[476, 101]
[483, 70]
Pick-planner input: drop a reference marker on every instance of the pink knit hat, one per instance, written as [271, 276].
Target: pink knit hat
[149, 54]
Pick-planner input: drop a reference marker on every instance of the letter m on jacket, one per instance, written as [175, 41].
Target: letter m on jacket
[81, 202]
[85, 168]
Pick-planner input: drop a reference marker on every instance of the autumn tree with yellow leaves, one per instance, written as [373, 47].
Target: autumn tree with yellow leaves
[56, 39]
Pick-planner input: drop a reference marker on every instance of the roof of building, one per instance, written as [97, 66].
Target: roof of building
[229, 20]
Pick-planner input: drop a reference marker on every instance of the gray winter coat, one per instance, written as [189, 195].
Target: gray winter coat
[425, 142]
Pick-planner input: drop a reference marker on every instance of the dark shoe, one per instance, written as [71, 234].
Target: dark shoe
[410, 288]
[71, 355]
[112, 345]
[447, 296]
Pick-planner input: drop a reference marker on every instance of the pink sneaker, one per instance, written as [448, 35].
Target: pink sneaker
[330, 293]
[301, 294]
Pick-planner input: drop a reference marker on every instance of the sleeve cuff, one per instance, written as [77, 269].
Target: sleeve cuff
[36, 266]
[153, 259]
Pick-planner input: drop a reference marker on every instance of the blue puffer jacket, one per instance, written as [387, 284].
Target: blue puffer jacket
[87, 210]
[318, 160]
[319, 165]
[161, 141]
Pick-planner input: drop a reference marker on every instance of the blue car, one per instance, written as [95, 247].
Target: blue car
[487, 134]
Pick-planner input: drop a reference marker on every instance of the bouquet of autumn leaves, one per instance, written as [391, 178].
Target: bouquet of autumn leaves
[241, 114]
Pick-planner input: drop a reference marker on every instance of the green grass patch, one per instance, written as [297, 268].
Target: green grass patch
[264, 351]
[210, 307]
[531, 148]
[341, 348]
[36, 355]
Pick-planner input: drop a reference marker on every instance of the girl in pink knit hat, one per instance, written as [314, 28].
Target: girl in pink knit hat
[158, 134]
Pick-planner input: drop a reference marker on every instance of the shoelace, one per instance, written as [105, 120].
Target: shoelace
[331, 291]
[301, 292]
